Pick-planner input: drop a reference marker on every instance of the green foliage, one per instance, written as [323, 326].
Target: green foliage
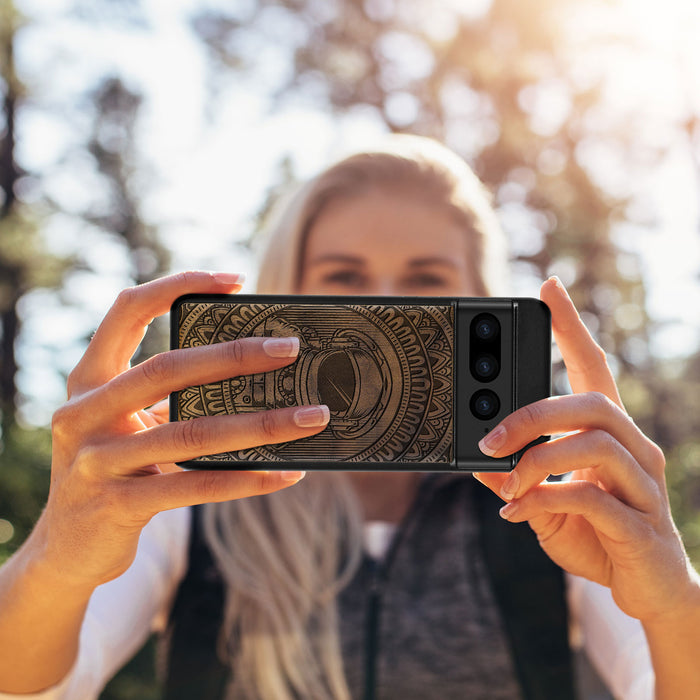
[683, 476]
[25, 460]
[680, 412]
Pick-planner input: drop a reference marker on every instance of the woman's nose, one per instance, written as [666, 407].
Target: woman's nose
[384, 287]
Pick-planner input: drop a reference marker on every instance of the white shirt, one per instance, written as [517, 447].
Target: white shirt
[123, 613]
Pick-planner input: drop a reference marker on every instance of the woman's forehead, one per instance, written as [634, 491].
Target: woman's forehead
[361, 226]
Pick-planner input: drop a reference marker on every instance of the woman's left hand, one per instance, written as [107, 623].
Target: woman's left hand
[611, 522]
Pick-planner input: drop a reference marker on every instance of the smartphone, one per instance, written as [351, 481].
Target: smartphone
[412, 384]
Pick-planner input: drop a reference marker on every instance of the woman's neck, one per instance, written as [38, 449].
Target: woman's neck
[385, 495]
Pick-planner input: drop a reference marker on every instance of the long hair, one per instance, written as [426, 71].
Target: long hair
[411, 166]
[284, 556]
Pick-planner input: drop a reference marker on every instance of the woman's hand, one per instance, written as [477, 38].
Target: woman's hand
[113, 459]
[611, 522]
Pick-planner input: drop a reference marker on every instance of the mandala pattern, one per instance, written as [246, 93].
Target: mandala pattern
[385, 371]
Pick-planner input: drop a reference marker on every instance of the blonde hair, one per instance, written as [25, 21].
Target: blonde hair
[285, 556]
[403, 164]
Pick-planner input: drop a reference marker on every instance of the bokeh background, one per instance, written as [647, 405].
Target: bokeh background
[139, 137]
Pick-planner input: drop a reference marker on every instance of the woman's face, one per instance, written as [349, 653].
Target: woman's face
[386, 244]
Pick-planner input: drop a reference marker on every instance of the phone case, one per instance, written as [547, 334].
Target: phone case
[410, 382]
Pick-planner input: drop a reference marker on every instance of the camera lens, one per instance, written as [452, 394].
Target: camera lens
[485, 404]
[486, 327]
[485, 367]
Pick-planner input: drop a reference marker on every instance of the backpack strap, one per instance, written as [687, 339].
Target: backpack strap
[529, 590]
[193, 667]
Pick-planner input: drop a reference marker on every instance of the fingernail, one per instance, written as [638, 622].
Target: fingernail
[510, 486]
[508, 510]
[292, 476]
[490, 444]
[281, 347]
[559, 284]
[228, 277]
[311, 416]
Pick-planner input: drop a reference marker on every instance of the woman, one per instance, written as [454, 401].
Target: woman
[289, 576]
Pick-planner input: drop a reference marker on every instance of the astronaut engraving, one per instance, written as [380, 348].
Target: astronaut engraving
[385, 371]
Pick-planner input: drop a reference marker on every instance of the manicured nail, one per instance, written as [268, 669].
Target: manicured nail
[281, 347]
[228, 277]
[311, 416]
[560, 285]
[292, 476]
[490, 444]
[508, 510]
[510, 486]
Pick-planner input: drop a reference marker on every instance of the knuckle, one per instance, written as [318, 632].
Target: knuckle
[594, 359]
[600, 402]
[64, 419]
[532, 415]
[589, 495]
[185, 278]
[234, 352]
[210, 486]
[605, 444]
[267, 427]
[128, 307]
[125, 299]
[657, 458]
[601, 355]
[263, 482]
[182, 278]
[657, 504]
[73, 381]
[193, 435]
[554, 523]
[159, 368]
[534, 460]
[59, 420]
[86, 461]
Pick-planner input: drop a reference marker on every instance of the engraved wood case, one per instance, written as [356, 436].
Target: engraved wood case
[386, 367]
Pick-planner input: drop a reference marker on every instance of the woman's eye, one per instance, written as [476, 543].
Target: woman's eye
[426, 281]
[347, 278]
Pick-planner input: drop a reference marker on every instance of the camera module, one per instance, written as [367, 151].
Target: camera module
[485, 404]
[485, 367]
[486, 327]
[485, 347]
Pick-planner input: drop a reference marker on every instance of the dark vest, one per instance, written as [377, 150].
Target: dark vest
[527, 587]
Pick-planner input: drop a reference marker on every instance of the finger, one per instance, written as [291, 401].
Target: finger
[170, 371]
[191, 439]
[491, 480]
[124, 326]
[613, 466]
[586, 363]
[151, 494]
[563, 414]
[604, 512]
[159, 413]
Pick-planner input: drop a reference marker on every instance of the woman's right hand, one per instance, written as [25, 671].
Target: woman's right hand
[113, 459]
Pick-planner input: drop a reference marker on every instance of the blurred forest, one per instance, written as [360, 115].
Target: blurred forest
[482, 81]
